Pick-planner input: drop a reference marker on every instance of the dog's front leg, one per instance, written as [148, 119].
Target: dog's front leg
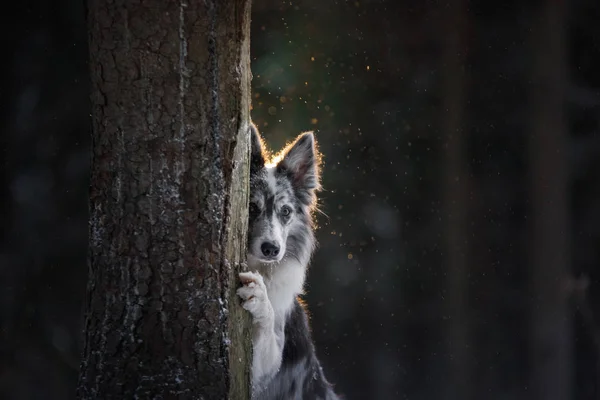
[267, 346]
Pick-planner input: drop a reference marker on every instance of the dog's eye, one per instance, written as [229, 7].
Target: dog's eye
[286, 211]
[254, 210]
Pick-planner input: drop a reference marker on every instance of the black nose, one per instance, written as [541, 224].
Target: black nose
[269, 249]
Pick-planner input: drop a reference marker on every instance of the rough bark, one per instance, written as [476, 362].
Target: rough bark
[168, 200]
[551, 336]
[455, 198]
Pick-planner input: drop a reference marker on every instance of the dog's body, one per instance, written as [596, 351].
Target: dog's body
[280, 244]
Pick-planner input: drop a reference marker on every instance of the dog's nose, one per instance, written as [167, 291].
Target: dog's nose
[269, 249]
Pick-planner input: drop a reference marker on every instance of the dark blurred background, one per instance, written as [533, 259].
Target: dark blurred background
[439, 246]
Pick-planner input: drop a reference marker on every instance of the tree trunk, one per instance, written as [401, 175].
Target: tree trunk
[455, 197]
[551, 337]
[168, 200]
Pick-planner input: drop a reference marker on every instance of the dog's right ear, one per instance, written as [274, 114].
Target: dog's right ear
[257, 151]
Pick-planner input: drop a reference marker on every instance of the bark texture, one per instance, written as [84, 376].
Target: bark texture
[551, 331]
[168, 200]
[455, 197]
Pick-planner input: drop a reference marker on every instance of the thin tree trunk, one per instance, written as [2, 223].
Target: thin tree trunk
[551, 336]
[168, 200]
[455, 197]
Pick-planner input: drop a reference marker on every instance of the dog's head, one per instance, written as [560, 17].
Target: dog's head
[282, 196]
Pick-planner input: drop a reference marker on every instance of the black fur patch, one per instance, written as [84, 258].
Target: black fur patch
[257, 156]
[300, 375]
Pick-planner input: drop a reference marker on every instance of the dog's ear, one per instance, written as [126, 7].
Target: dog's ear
[301, 161]
[257, 151]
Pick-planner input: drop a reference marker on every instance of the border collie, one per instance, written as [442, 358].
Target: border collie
[280, 244]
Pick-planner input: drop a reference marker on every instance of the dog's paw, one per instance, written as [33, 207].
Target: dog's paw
[254, 296]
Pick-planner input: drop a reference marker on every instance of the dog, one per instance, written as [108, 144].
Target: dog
[280, 244]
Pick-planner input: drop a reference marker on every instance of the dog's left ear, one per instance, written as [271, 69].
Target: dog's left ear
[301, 161]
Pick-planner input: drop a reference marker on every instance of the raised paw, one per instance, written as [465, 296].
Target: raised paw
[254, 296]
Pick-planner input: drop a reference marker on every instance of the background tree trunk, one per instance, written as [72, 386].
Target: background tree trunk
[455, 198]
[551, 337]
[168, 200]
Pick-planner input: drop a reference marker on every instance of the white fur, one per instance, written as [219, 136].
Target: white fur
[269, 300]
[284, 281]
[267, 344]
[271, 179]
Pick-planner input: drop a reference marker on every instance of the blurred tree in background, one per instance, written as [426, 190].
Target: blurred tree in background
[416, 272]
[550, 324]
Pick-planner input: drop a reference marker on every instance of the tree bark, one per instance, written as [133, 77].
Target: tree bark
[168, 200]
[551, 336]
[455, 198]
